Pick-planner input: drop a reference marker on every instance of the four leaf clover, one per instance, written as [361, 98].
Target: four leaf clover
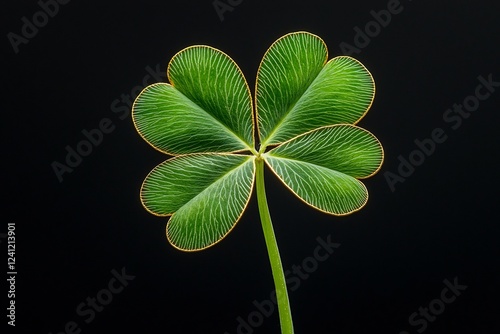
[301, 125]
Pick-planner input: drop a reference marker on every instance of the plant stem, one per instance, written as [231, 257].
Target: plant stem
[272, 249]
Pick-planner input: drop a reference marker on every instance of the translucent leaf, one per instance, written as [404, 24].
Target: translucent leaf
[298, 90]
[207, 106]
[322, 167]
[205, 193]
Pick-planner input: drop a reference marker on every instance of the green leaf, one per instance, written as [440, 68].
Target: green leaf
[206, 195]
[322, 166]
[207, 106]
[298, 91]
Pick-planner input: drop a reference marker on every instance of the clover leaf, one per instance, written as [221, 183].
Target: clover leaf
[302, 127]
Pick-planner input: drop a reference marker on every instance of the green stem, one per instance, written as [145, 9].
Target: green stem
[272, 249]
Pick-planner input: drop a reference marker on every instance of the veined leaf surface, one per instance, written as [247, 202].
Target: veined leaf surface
[207, 106]
[297, 90]
[322, 167]
[205, 193]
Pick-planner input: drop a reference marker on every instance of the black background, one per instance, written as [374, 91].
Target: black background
[441, 223]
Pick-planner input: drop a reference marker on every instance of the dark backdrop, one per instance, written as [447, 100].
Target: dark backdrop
[74, 234]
